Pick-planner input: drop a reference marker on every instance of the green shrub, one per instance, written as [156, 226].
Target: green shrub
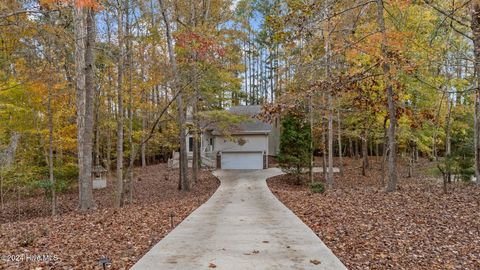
[465, 168]
[68, 171]
[61, 186]
[317, 187]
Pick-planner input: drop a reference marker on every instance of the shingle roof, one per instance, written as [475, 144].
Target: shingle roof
[252, 126]
[251, 110]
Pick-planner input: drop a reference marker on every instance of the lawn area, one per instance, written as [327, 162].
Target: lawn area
[78, 240]
[417, 227]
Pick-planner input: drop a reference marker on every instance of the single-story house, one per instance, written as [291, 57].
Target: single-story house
[246, 146]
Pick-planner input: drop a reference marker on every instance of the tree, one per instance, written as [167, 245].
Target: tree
[475, 25]
[84, 23]
[392, 143]
[120, 110]
[183, 182]
[295, 131]
[7, 157]
[329, 63]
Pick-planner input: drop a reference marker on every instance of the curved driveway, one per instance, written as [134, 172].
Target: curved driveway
[242, 226]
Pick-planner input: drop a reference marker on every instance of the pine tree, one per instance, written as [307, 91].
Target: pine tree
[295, 145]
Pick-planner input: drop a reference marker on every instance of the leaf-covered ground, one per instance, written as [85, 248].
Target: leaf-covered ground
[76, 240]
[417, 227]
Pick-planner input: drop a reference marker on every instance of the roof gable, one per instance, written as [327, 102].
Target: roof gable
[253, 126]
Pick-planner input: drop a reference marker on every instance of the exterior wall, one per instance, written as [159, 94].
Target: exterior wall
[254, 143]
[204, 141]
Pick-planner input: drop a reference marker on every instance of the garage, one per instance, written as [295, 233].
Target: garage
[242, 160]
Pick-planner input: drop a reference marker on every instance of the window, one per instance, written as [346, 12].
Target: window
[190, 144]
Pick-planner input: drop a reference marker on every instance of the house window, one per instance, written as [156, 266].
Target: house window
[190, 144]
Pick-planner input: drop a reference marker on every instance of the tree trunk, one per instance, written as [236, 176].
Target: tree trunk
[143, 146]
[110, 112]
[475, 25]
[196, 159]
[411, 160]
[7, 157]
[50, 83]
[324, 142]
[89, 99]
[392, 153]
[129, 45]
[250, 70]
[271, 55]
[144, 127]
[183, 177]
[340, 154]
[109, 140]
[120, 66]
[384, 150]
[2, 194]
[80, 33]
[97, 161]
[355, 148]
[448, 140]
[245, 59]
[330, 142]
[312, 157]
[97, 106]
[50, 149]
[350, 147]
[364, 154]
[84, 60]
[330, 103]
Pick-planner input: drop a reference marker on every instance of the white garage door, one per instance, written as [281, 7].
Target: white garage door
[242, 161]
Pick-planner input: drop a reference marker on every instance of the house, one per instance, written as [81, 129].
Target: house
[246, 146]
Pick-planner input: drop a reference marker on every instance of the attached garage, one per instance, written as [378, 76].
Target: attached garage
[242, 160]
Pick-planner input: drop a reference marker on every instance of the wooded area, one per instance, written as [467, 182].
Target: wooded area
[120, 84]
[383, 78]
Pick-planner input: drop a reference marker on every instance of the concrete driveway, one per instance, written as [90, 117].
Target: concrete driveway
[242, 226]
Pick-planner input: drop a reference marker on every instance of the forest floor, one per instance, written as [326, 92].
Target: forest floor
[74, 240]
[417, 227]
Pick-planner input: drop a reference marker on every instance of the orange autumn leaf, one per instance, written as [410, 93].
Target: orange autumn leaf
[78, 3]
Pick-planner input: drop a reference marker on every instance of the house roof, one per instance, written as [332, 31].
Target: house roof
[253, 126]
[251, 110]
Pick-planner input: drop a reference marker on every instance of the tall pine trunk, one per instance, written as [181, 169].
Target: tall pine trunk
[129, 48]
[89, 100]
[84, 60]
[109, 104]
[330, 103]
[120, 65]
[144, 128]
